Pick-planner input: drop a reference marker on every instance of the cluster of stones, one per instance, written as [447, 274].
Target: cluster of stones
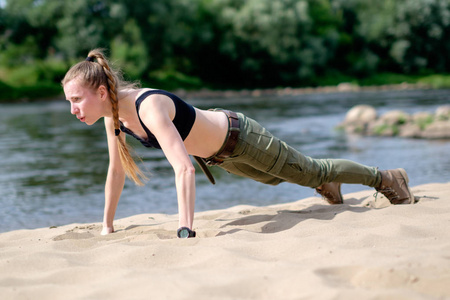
[363, 119]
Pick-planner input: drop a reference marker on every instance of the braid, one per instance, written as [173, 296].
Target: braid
[113, 91]
[100, 73]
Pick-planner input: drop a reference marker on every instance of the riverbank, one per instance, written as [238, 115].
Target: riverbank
[288, 91]
[305, 249]
[380, 82]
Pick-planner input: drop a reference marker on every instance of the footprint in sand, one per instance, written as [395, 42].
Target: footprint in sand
[368, 278]
[73, 236]
[78, 233]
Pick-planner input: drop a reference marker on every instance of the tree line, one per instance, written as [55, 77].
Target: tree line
[226, 43]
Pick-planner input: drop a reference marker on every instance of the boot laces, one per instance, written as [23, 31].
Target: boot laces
[388, 192]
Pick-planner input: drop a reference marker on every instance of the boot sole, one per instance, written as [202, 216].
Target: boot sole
[341, 200]
[340, 194]
[406, 178]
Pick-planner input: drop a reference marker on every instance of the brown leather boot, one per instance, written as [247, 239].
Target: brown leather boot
[394, 186]
[331, 192]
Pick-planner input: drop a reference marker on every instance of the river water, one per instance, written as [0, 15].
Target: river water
[53, 167]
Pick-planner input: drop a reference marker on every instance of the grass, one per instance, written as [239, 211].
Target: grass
[424, 122]
[42, 83]
[437, 81]
[43, 90]
[37, 80]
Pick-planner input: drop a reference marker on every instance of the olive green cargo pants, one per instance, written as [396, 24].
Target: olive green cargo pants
[261, 156]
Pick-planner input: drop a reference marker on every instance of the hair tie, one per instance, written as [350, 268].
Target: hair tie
[89, 58]
[117, 132]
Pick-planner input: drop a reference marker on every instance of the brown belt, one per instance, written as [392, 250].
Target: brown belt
[233, 134]
[226, 150]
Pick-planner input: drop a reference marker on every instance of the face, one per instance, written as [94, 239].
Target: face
[86, 104]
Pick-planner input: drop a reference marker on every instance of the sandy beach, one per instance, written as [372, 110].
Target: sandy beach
[363, 249]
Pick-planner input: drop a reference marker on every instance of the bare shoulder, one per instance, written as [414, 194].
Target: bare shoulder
[157, 106]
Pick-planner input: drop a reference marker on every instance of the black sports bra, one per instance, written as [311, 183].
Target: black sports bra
[183, 121]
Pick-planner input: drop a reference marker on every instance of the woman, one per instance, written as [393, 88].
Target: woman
[229, 140]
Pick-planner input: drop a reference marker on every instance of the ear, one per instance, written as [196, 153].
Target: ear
[102, 92]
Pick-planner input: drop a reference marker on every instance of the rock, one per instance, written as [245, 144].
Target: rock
[386, 131]
[423, 119]
[421, 116]
[410, 130]
[376, 127]
[443, 112]
[437, 130]
[347, 87]
[358, 118]
[361, 114]
[395, 117]
[362, 119]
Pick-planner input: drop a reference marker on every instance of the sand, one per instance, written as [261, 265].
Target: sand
[363, 249]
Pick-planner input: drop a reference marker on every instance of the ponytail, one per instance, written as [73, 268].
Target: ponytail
[100, 73]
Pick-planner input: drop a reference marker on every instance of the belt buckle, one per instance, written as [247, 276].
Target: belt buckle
[214, 161]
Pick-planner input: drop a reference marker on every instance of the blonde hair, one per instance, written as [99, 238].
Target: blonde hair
[93, 75]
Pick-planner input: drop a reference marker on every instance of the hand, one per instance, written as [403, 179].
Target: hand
[107, 230]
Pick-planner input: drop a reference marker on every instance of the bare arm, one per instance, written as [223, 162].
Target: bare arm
[157, 113]
[114, 180]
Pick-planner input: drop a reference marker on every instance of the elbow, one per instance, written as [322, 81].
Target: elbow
[185, 170]
[116, 173]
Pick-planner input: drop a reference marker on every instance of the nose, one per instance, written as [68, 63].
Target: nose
[73, 109]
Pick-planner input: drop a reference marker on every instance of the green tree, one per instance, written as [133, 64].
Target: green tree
[130, 51]
[421, 35]
[88, 24]
[404, 35]
[263, 42]
[226, 43]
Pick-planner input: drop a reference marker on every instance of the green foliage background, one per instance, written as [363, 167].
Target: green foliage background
[225, 43]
